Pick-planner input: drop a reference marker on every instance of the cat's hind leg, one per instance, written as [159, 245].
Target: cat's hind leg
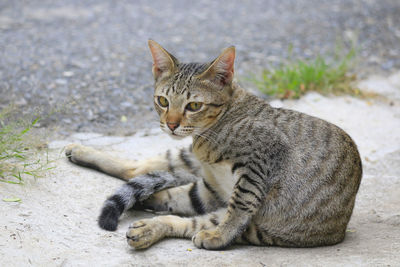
[184, 194]
[127, 169]
[101, 161]
[137, 190]
[191, 199]
[143, 233]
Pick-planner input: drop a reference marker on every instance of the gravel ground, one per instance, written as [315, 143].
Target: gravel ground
[89, 59]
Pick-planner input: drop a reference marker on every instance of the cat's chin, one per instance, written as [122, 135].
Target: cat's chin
[176, 137]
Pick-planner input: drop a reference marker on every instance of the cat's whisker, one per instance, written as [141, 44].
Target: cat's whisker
[207, 137]
[208, 133]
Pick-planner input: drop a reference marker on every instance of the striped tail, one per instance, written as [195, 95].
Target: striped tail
[135, 190]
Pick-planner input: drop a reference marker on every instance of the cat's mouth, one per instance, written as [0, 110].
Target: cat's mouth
[178, 133]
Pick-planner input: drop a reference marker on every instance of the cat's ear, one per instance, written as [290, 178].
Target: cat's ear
[221, 69]
[163, 62]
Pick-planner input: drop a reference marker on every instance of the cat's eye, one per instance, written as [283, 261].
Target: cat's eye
[194, 106]
[162, 101]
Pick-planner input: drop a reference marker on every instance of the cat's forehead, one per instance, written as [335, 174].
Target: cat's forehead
[181, 83]
[184, 78]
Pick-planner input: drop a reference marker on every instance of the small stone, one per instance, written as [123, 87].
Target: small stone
[387, 65]
[61, 81]
[68, 74]
[21, 102]
[126, 104]
[176, 39]
[90, 115]
[78, 64]
[114, 74]
[67, 121]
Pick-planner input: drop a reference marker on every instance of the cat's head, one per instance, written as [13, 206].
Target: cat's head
[190, 97]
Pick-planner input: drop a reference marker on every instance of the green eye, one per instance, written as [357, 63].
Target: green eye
[162, 101]
[194, 106]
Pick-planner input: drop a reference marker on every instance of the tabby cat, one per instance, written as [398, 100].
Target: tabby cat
[254, 174]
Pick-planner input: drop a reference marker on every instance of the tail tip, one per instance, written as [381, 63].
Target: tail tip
[108, 219]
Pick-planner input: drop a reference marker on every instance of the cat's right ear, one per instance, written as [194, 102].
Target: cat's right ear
[164, 64]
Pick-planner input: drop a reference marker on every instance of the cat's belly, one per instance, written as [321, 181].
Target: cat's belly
[220, 177]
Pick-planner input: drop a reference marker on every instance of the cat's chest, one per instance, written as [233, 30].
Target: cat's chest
[220, 178]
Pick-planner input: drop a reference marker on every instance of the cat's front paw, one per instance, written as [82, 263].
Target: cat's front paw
[142, 234]
[210, 239]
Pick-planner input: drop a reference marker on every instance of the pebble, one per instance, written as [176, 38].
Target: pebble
[126, 104]
[90, 115]
[21, 102]
[68, 74]
[61, 81]
[67, 121]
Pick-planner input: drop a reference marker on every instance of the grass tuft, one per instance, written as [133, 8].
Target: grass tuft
[295, 78]
[18, 152]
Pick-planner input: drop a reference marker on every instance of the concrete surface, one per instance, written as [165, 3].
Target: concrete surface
[55, 224]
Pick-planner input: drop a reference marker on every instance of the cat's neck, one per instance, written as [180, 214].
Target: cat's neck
[242, 99]
[241, 102]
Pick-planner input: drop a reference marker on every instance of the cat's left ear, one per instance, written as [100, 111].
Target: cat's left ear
[221, 69]
[164, 63]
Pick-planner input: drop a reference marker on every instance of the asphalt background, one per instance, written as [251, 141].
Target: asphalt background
[84, 66]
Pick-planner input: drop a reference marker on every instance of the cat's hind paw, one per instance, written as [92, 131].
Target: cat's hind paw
[69, 150]
[77, 153]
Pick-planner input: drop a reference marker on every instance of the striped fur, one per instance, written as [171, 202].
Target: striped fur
[253, 175]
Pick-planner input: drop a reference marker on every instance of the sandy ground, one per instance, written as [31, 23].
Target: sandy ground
[55, 224]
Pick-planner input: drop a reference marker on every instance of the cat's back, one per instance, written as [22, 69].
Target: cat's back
[302, 146]
[253, 119]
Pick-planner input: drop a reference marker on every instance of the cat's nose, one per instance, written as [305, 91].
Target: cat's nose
[172, 125]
